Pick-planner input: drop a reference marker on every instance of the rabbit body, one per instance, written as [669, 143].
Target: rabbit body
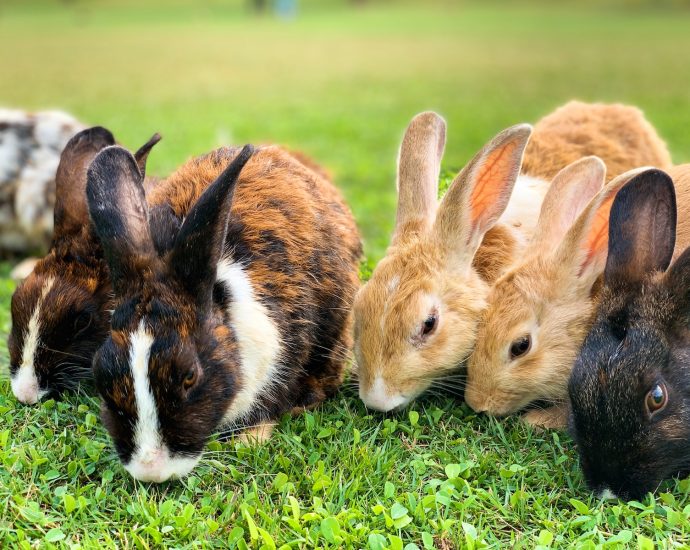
[247, 317]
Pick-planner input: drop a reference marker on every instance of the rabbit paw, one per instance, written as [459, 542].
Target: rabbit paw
[553, 418]
[258, 434]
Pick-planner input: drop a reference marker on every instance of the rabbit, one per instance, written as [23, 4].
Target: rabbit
[539, 311]
[394, 362]
[416, 318]
[630, 384]
[60, 312]
[30, 145]
[618, 134]
[184, 360]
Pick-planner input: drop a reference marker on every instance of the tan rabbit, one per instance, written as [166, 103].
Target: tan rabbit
[416, 318]
[540, 310]
[618, 134]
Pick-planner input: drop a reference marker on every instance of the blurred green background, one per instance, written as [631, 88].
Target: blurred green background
[341, 79]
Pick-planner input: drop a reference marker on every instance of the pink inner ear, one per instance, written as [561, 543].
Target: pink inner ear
[597, 240]
[491, 181]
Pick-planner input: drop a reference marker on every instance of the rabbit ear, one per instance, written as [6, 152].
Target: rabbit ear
[115, 195]
[678, 279]
[585, 245]
[570, 191]
[642, 231]
[142, 154]
[71, 211]
[480, 193]
[199, 244]
[419, 167]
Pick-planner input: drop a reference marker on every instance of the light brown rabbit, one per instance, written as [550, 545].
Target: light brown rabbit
[618, 134]
[540, 310]
[416, 318]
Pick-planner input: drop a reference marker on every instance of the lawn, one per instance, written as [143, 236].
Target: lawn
[339, 84]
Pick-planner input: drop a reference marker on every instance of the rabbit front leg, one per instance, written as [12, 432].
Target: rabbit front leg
[551, 418]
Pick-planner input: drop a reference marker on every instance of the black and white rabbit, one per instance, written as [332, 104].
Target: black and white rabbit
[630, 387]
[182, 360]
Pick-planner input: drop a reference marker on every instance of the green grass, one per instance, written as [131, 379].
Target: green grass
[341, 85]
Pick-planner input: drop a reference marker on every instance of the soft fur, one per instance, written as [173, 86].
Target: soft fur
[292, 234]
[639, 340]
[548, 298]
[433, 269]
[73, 316]
[618, 134]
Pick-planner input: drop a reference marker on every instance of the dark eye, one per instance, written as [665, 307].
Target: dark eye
[656, 399]
[520, 346]
[189, 379]
[429, 324]
[82, 322]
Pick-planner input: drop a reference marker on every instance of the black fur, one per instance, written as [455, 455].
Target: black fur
[640, 338]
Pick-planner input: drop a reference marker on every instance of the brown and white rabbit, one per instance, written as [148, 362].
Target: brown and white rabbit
[183, 361]
[60, 312]
[30, 146]
[416, 318]
[539, 311]
[630, 386]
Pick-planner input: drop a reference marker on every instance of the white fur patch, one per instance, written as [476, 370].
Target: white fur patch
[24, 382]
[258, 339]
[524, 205]
[151, 459]
[379, 398]
[607, 494]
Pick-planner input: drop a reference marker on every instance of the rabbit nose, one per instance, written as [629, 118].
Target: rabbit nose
[377, 397]
[25, 387]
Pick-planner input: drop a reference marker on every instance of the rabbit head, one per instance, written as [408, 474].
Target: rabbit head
[416, 318]
[539, 311]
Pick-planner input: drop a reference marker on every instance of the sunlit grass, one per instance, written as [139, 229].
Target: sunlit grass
[341, 85]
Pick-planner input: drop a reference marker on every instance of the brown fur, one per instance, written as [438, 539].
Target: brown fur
[287, 212]
[549, 297]
[681, 181]
[431, 270]
[297, 242]
[618, 134]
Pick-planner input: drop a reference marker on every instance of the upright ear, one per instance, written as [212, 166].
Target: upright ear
[678, 280]
[586, 244]
[642, 231]
[479, 194]
[142, 154]
[419, 167]
[119, 213]
[570, 191]
[71, 211]
[199, 244]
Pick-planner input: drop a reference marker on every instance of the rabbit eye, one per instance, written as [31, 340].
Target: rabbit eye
[82, 322]
[429, 325]
[520, 347]
[189, 379]
[656, 399]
